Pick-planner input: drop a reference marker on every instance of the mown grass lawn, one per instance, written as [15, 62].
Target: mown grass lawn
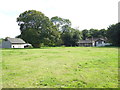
[60, 67]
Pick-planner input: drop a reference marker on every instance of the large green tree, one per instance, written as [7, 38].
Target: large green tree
[102, 33]
[113, 34]
[60, 22]
[70, 36]
[85, 34]
[94, 33]
[36, 28]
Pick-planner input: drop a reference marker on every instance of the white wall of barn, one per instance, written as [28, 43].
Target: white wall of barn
[17, 46]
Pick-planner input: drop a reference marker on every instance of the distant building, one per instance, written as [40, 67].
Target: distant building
[14, 43]
[93, 42]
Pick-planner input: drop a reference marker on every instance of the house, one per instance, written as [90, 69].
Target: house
[93, 42]
[86, 43]
[14, 43]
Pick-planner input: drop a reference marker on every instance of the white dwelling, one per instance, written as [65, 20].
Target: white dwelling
[14, 43]
[100, 42]
[93, 42]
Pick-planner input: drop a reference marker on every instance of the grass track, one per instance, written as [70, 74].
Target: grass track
[60, 67]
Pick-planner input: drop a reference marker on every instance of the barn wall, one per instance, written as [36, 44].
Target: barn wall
[6, 44]
[17, 46]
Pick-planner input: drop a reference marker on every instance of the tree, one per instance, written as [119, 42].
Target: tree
[60, 22]
[76, 37]
[94, 33]
[102, 33]
[85, 34]
[36, 28]
[70, 36]
[113, 34]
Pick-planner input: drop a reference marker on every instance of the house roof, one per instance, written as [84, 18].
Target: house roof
[91, 40]
[16, 40]
[96, 39]
[85, 41]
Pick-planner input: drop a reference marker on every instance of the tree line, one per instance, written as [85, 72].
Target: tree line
[38, 30]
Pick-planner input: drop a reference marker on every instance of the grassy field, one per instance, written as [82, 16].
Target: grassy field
[60, 67]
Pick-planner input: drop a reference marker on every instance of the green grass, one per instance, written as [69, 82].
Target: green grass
[60, 67]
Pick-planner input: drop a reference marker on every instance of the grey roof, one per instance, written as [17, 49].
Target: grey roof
[85, 41]
[96, 39]
[16, 40]
[91, 40]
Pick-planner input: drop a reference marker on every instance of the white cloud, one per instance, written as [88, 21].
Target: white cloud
[83, 13]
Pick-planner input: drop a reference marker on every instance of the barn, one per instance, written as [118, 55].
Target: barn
[14, 43]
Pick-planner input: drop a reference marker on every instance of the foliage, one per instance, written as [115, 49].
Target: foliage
[60, 67]
[93, 33]
[85, 34]
[70, 36]
[102, 33]
[113, 34]
[60, 22]
[36, 28]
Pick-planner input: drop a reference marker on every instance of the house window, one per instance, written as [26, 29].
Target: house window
[99, 42]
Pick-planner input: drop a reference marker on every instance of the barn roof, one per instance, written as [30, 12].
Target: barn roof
[16, 40]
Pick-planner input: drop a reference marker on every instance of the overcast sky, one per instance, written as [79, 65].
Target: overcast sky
[84, 14]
